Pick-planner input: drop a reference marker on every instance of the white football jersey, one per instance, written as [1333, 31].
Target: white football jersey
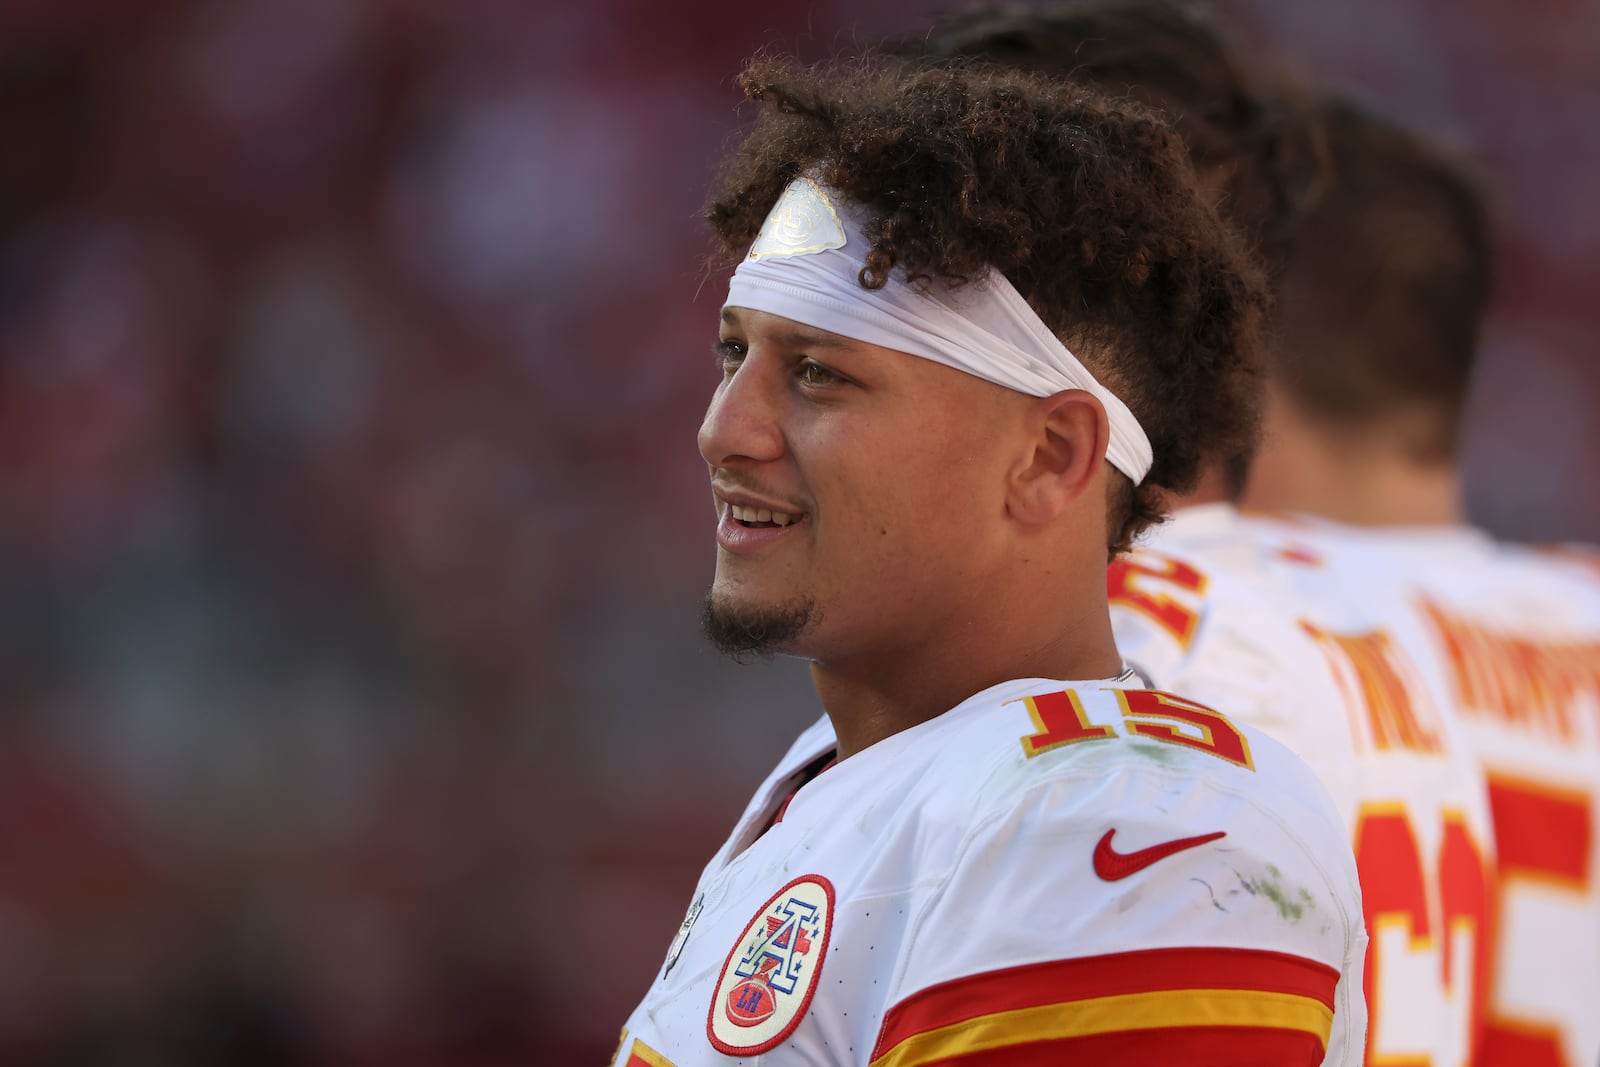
[1050, 872]
[1284, 632]
[1513, 636]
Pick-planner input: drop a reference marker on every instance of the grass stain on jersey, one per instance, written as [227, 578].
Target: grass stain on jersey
[1292, 905]
[1164, 754]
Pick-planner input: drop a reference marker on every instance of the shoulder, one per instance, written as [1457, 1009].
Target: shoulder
[1211, 590]
[1226, 624]
[1574, 567]
[1167, 581]
[1054, 756]
[1137, 845]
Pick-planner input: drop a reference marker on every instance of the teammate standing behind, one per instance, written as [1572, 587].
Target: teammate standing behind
[1378, 322]
[981, 323]
[1208, 607]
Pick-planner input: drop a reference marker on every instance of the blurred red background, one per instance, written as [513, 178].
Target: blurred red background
[352, 532]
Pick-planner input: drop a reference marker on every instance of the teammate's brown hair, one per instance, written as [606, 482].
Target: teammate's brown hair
[1245, 135]
[1381, 305]
[1088, 207]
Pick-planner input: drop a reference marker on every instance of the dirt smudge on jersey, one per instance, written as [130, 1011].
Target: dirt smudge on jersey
[1164, 754]
[1292, 903]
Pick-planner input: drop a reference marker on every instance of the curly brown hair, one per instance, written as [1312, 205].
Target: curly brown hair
[1088, 206]
[1244, 123]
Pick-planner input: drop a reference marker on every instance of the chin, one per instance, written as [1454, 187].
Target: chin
[744, 628]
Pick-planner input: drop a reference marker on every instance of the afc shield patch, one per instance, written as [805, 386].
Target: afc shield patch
[770, 975]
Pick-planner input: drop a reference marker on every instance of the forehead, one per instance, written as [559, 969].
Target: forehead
[777, 329]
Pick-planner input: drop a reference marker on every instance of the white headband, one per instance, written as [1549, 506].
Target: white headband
[805, 265]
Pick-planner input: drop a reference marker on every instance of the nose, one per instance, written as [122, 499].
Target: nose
[743, 422]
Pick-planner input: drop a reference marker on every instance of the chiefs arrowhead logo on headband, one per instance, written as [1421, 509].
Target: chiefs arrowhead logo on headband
[803, 220]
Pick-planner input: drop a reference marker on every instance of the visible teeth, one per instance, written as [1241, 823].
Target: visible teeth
[777, 518]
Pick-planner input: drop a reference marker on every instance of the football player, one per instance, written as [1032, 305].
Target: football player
[981, 324]
[1377, 330]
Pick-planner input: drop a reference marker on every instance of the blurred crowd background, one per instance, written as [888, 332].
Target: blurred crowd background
[352, 532]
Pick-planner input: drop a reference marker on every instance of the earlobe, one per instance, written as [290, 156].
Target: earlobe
[1069, 432]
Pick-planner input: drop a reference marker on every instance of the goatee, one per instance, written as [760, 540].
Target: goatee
[754, 633]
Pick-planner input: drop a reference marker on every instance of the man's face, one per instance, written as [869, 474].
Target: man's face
[860, 491]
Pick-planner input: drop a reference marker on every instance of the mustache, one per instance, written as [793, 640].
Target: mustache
[725, 481]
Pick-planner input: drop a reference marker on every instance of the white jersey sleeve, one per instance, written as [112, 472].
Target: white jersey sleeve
[1041, 875]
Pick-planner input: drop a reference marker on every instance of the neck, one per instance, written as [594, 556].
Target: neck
[1358, 480]
[1214, 487]
[870, 698]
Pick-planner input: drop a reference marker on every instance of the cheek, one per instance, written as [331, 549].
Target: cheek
[920, 503]
[867, 500]
[957, 473]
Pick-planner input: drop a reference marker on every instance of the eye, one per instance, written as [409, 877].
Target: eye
[815, 374]
[730, 354]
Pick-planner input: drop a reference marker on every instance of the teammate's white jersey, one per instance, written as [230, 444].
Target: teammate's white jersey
[1286, 633]
[1513, 636]
[1051, 872]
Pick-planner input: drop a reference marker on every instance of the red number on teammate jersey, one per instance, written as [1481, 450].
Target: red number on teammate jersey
[1127, 582]
[1544, 840]
[1394, 897]
[1210, 731]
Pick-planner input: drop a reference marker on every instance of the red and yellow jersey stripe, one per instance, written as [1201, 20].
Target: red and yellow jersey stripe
[1157, 1007]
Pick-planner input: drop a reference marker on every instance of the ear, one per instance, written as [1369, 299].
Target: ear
[1066, 449]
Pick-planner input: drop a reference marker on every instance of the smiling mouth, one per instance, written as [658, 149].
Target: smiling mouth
[758, 518]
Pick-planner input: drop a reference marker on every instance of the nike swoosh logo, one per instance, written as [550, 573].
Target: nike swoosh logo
[1112, 865]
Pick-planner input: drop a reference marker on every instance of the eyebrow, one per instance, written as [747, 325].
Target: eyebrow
[799, 337]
